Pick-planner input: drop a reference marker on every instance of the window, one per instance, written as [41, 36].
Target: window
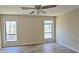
[48, 25]
[10, 29]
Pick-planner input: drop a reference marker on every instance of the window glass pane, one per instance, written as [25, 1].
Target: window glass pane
[7, 27]
[47, 28]
[13, 27]
[10, 27]
[11, 37]
[48, 35]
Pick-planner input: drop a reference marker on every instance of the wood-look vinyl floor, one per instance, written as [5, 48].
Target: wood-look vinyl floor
[37, 48]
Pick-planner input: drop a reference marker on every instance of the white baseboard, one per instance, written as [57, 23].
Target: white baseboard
[8, 45]
[5, 45]
[69, 47]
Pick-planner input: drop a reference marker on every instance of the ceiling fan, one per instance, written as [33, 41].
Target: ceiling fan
[38, 8]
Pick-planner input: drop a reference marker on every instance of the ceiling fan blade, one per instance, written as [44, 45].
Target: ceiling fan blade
[49, 6]
[25, 8]
[32, 12]
[42, 11]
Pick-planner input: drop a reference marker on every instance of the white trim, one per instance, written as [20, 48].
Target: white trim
[69, 47]
[22, 44]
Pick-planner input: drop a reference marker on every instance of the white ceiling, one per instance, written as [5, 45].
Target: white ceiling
[15, 9]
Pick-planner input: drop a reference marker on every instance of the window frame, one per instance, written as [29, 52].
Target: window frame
[10, 34]
[52, 24]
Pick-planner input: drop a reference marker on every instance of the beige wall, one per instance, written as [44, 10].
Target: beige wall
[29, 28]
[0, 31]
[67, 29]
